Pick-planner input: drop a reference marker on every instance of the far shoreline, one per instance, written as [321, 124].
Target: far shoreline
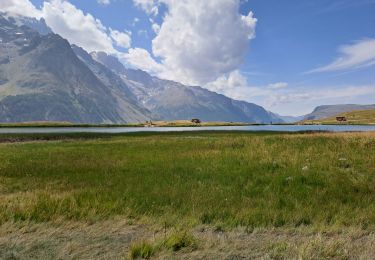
[178, 123]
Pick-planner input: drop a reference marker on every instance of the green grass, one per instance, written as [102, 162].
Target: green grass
[174, 242]
[221, 179]
[141, 250]
[357, 117]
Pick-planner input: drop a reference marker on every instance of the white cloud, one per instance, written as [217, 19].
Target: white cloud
[197, 41]
[236, 86]
[302, 100]
[228, 82]
[354, 56]
[149, 6]
[20, 7]
[104, 2]
[332, 92]
[141, 59]
[296, 100]
[72, 23]
[156, 28]
[201, 40]
[121, 39]
[79, 28]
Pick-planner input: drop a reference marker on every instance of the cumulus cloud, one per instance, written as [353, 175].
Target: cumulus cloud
[141, 59]
[20, 7]
[201, 40]
[79, 28]
[121, 39]
[235, 85]
[358, 55]
[197, 41]
[72, 23]
[231, 82]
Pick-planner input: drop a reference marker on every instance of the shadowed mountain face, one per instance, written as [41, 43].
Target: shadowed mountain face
[41, 78]
[332, 110]
[170, 100]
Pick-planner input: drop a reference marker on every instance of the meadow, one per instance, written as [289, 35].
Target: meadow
[173, 186]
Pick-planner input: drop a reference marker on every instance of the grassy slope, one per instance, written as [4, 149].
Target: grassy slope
[358, 117]
[224, 180]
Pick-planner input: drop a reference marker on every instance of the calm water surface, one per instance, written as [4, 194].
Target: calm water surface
[283, 128]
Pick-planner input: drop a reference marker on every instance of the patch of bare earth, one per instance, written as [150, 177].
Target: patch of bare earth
[112, 239]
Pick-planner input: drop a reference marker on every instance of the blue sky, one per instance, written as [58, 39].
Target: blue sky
[288, 56]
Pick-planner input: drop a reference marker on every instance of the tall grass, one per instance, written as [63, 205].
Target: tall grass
[224, 179]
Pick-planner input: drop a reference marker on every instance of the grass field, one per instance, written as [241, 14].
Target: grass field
[188, 194]
[357, 117]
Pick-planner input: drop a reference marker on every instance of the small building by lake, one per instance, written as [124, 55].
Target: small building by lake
[196, 121]
[341, 119]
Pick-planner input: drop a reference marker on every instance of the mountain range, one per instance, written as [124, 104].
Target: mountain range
[45, 78]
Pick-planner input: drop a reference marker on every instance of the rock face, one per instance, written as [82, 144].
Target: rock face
[332, 110]
[168, 100]
[41, 78]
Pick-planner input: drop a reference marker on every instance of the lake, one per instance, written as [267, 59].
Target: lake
[279, 128]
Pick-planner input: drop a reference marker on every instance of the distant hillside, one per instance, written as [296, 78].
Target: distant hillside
[332, 110]
[353, 118]
[168, 100]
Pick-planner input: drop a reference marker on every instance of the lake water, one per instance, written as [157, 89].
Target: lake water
[282, 128]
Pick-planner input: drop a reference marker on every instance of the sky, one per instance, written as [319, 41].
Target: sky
[288, 56]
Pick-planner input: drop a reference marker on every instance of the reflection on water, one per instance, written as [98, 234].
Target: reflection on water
[282, 128]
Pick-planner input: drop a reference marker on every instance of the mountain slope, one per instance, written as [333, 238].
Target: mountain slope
[127, 103]
[170, 100]
[365, 117]
[41, 79]
[321, 112]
